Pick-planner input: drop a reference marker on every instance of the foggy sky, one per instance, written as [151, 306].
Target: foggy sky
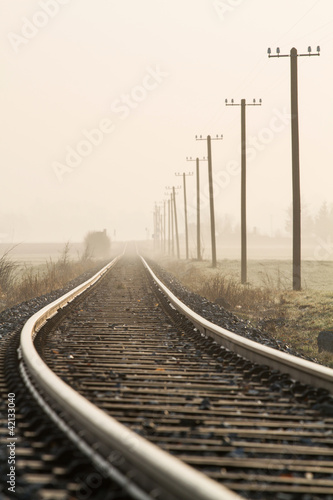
[100, 103]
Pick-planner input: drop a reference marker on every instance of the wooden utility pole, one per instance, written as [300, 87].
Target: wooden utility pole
[169, 229]
[295, 160]
[211, 194]
[197, 161]
[198, 211]
[243, 184]
[295, 172]
[211, 200]
[176, 223]
[185, 211]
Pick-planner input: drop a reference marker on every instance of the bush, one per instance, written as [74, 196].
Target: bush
[97, 244]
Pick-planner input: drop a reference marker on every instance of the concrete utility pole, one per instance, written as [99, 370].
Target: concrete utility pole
[211, 192]
[295, 160]
[197, 160]
[185, 209]
[243, 184]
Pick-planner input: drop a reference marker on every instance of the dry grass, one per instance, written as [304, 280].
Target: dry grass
[224, 289]
[7, 276]
[300, 318]
[18, 284]
[293, 317]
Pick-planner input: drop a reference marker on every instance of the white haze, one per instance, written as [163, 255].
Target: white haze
[178, 61]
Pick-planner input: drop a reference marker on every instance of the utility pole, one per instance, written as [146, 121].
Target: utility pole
[169, 240]
[185, 209]
[243, 105]
[197, 161]
[172, 231]
[161, 230]
[170, 219]
[169, 222]
[295, 159]
[175, 225]
[164, 226]
[160, 226]
[156, 227]
[211, 192]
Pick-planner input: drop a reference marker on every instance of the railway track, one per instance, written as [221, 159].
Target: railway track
[190, 417]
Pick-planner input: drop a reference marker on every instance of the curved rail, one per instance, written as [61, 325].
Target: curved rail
[298, 368]
[174, 476]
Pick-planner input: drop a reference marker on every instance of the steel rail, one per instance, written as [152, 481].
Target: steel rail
[299, 369]
[173, 475]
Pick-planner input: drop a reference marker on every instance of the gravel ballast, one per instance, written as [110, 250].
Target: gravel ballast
[219, 315]
[14, 318]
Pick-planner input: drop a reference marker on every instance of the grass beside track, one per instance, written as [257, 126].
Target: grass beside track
[267, 301]
[20, 281]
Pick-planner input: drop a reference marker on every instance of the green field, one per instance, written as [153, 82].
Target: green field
[316, 275]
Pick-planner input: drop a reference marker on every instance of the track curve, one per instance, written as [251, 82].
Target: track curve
[126, 348]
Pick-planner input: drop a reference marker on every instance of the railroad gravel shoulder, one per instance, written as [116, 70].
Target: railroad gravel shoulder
[219, 315]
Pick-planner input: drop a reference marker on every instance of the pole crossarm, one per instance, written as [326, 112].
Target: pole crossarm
[253, 103]
[216, 138]
[189, 158]
[308, 54]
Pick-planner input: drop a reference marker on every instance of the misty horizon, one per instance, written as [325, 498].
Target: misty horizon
[102, 106]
